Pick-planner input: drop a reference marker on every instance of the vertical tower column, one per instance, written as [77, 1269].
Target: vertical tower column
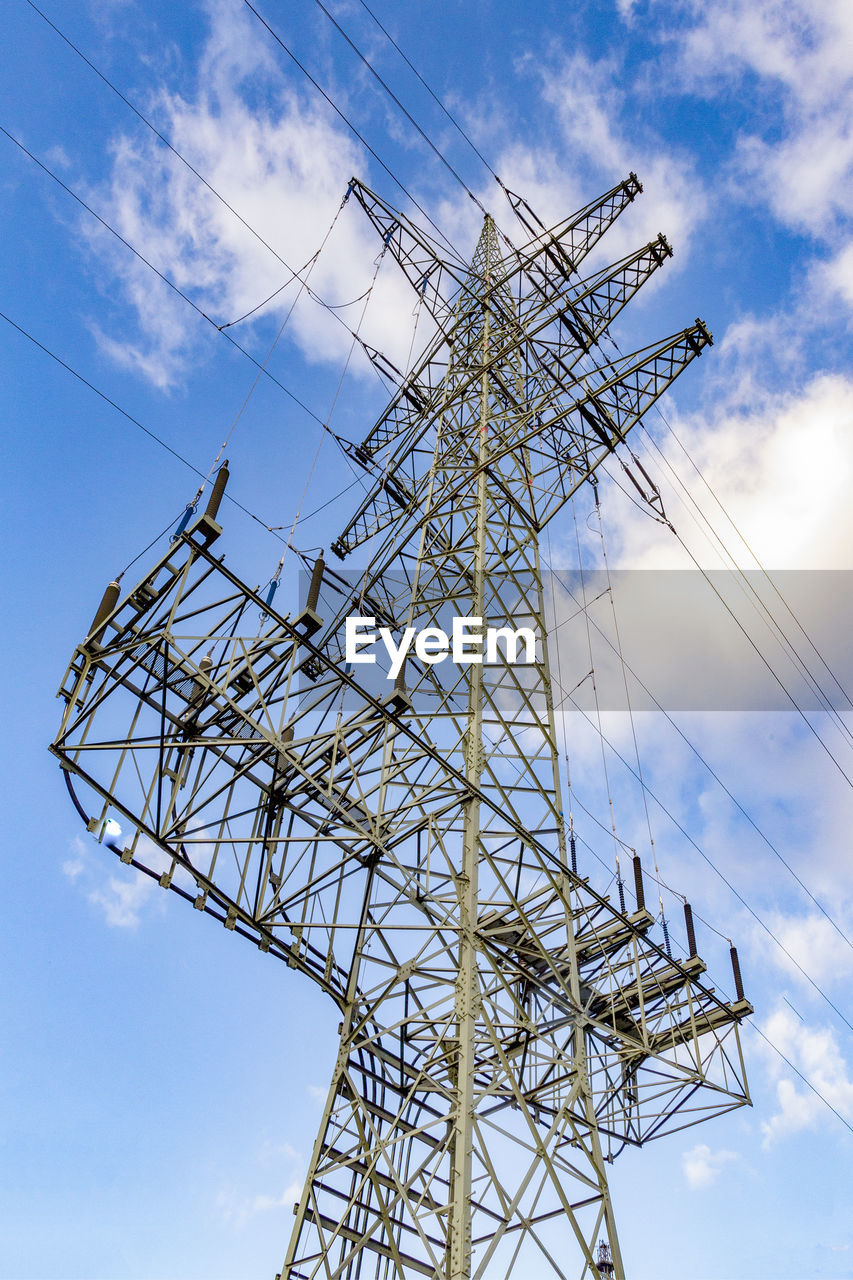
[467, 988]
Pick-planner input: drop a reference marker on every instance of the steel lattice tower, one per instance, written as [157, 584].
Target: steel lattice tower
[403, 842]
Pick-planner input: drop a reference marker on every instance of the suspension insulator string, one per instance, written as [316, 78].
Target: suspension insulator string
[616, 841]
[326, 426]
[222, 471]
[303, 288]
[624, 670]
[189, 511]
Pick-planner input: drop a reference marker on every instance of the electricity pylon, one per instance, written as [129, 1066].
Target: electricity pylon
[505, 1028]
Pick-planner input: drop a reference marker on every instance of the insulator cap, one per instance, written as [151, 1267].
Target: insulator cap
[737, 975]
[639, 887]
[109, 600]
[315, 583]
[691, 932]
[217, 491]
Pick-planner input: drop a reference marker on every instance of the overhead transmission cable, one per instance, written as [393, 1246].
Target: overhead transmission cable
[295, 273]
[808, 723]
[367, 296]
[275, 530]
[561, 704]
[708, 767]
[457, 126]
[812, 729]
[616, 840]
[706, 858]
[261, 366]
[433, 95]
[303, 287]
[146, 262]
[726, 555]
[412, 121]
[696, 916]
[136, 423]
[759, 653]
[746, 544]
[765, 661]
[630, 710]
[752, 596]
[286, 49]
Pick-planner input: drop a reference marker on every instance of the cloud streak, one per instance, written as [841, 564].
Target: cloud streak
[815, 1052]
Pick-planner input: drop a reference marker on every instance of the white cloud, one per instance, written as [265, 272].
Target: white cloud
[798, 51]
[237, 1208]
[783, 469]
[834, 277]
[815, 945]
[588, 102]
[288, 1197]
[122, 901]
[57, 157]
[74, 866]
[284, 167]
[123, 896]
[702, 1166]
[815, 1052]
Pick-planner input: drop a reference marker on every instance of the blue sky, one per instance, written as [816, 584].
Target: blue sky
[163, 1081]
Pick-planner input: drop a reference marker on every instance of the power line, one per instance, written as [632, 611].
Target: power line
[280, 42]
[764, 660]
[135, 421]
[752, 596]
[742, 538]
[412, 121]
[513, 203]
[171, 284]
[758, 603]
[799, 1073]
[275, 530]
[705, 764]
[433, 95]
[713, 866]
[638, 775]
[295, 273]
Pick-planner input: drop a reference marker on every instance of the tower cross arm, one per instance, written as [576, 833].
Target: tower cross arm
[585, 311]
[434, 277]
[568, 448]
[564, 448]
[583, 316]
[554, 255]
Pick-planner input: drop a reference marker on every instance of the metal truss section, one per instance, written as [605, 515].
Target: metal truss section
[546, 323]
[506, 1029]
[565, 443]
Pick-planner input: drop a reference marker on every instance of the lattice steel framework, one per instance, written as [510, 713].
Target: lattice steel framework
[505, 1027]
